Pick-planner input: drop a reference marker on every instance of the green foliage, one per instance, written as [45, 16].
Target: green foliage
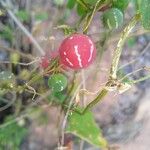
[42, 16]
[80, 10]
[71, 4]
[23, 15]
[7, 33]
[12, 135]
[120, 4]
[80, 6]
[84, 126]
[145, 13]
[113, 18]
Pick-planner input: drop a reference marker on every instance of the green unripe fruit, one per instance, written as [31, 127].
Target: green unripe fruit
[59, 96]
[121, 4]
[113, 18]
[57, 82]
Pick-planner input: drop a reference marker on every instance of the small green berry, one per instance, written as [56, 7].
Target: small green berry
[57, 82]
[113, 18]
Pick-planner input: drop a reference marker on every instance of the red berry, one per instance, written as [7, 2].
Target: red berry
[44, 62]
[77, 51]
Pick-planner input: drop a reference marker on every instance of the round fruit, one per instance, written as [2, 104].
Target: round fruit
[77, 51]
[57, 82]
[113, 18]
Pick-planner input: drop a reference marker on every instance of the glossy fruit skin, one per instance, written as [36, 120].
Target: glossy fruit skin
[77, 51]
[57, 82]
[113, 18]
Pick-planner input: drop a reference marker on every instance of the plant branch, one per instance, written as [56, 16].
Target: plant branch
[118, 50]
[89, 18]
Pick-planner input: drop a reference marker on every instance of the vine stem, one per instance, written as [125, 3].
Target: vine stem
[67, 114]
[115, 62]
[100, 97]
[91, 16]
[118, 50]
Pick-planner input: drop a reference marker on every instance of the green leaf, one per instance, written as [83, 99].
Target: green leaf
[42, 16]
[145, 13]
[80, 10]
[12, 135]
[120, 4]
[23, 15]
[84, 126]
[71, 4]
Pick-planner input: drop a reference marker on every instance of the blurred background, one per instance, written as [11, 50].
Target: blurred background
[29, 120]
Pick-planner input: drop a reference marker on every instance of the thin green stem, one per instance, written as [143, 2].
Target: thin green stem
[90, 17]
[129, 74]
[142, 79]
[99, 98]
[118, 50]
